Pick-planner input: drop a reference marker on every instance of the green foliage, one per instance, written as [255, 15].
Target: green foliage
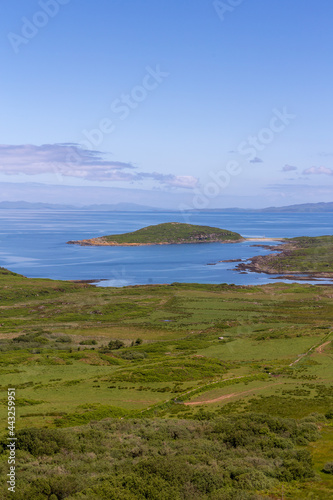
[115, 344]
[53, 488]
[42, 441]
[227, 450]
[33, 337]
[329, 414]
[133, 355]
[65, 339]
[162, 459]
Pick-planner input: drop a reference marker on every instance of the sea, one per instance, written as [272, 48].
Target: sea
[34, 243]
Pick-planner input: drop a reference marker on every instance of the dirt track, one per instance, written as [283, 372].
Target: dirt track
[227, 396]
[322, 346]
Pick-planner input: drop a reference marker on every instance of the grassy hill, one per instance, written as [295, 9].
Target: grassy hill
[166, 234]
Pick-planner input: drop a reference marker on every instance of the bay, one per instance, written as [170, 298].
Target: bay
[33, 243]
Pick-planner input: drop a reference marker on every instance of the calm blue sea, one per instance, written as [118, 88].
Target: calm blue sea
[33, 243]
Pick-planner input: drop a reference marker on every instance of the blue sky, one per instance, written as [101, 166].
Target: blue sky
[175, 103]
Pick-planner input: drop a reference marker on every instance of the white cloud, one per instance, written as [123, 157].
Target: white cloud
[318, 171]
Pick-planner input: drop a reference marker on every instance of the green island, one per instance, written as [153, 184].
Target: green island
[303, 255]
[167, 392]
[165, 234]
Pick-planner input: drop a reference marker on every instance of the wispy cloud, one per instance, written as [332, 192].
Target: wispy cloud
[65, 159]
[256, 160]
[288, 168]
[318, 171]
[72, 160]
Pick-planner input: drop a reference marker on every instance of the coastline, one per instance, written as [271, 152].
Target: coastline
[96, 242]
[101, 241]
[273, 264]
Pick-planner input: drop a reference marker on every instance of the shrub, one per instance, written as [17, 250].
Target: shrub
[42, 441]
[31, 337]
[329, 414]
[55, 488]
[254, 480]
[133, 355]
[64, 339]
[115, 344]
[328, 468]
[88, 342]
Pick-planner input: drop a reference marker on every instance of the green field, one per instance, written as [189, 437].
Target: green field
[96, 368]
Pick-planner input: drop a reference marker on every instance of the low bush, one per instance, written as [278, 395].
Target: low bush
[328, 468]
[88, 342]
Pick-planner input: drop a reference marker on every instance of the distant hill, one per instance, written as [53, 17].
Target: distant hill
[122, 207]
[302, 208]
[25, 205]
[134, 207]
[164, 234]
[305, 207]
[117, 207]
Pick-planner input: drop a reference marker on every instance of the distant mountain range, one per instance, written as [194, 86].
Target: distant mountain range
[305, 207]
[118, 207]
[133, 207]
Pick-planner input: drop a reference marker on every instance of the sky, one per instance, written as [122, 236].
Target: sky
[180, 104]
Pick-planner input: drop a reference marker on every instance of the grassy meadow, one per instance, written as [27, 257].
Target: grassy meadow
[130, 387]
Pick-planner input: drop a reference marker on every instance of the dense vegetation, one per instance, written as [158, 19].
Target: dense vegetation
[133, 393]
[164, 459]
[167, 233]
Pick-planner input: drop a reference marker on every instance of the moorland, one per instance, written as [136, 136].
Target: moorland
[180, 391]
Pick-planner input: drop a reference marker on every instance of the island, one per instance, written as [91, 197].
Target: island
[307, 256]
[169, 233]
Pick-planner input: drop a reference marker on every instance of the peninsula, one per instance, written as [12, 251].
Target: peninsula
[309, 256]
[168, 233]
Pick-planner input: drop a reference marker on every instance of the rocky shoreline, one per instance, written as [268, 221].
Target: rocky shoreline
[102, 242]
